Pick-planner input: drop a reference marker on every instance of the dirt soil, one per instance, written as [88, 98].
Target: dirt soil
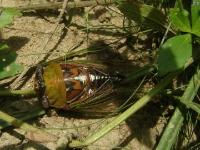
[28, 36]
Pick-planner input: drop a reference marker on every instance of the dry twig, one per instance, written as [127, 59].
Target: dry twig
[57, 5]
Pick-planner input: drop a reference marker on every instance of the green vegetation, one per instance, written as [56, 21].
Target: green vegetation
[8, 67]
[178, 52]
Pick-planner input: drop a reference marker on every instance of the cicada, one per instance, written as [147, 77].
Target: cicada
[74, 86]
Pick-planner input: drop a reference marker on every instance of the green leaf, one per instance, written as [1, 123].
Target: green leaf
[174, 54]
[180, 19]
[7, 16]
[8, 67]
[195, 10]
[145, 16]
[3, 46]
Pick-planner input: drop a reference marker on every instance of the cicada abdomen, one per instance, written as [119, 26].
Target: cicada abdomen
[72, 86]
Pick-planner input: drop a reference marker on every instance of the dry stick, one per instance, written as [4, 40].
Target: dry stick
[56, 5]
[56, 27]
[32, 133]
[15, 84]
[64, 5]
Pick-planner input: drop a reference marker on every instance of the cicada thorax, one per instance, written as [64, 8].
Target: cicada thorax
[66, 86]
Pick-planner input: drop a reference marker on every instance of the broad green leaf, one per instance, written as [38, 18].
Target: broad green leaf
[195, 10]
[7, 15]
[180, 19]
[174, 54]
[145, 16]
[8, 67]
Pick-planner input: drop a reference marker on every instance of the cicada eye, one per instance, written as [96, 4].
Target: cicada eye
[39, 84]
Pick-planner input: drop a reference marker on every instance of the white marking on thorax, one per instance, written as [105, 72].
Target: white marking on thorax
[82, 78]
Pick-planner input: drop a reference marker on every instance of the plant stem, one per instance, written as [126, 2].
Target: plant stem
[180, 5]
[32, 132]
[57, 5]
[119, 119]
[34, 112]
[25, 92]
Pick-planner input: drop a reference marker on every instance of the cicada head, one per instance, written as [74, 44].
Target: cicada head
[50, 86]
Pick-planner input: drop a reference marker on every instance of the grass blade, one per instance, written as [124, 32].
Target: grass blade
[32, 133]
[170, 134]
[35, 112]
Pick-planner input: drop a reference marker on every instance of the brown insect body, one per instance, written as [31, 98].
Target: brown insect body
[67, 86]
